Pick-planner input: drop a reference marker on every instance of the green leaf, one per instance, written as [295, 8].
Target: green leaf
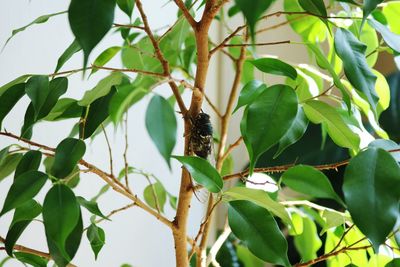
[3, 154]
[316, 7]
[372, 190]
[95, 114]
[72, 180]
[9, 98]
[392, 39]
[387, 145]
[29, 162]
[22, 217]
[267, 119]
[369, 37]
[309, 181]
[57, 88]
[320, 112]
[154, 195]
[275, 66]
[90, 20]
[391, 10]
[29, 121]
[91, 206]
[37, 88]
[126, 6]
[352, 53]
[24, 188]
[38, 20]
[73, 48]
[368, 7]
[252, 11]
[202, 172]
[8, 165]
[333, 219]
[259, 231]
[61, 214]
[67, 155]
[31, 259]
[101, 89]
[260, 198]
[161, 126]
[20, 79]
[249, 92]
[104, 57]
[295, 132]
[393, 263]
[308, 242]
[65, 108]
[96, 237]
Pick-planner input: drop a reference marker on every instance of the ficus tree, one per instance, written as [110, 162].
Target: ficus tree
[337, 91]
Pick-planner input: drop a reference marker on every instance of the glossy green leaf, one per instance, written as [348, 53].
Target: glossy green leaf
[104, 57]
[320, 112]
[67, 155]
[161, 126]
[20, 79]
[37, 88]
[309, 181]
[90, 20]
[155, 196]
[352, 53]
[22, 217]
[267, 119]
[369, 37]
[73, 48]
[57, 88]
[29, 162]
[91, 206]
[65, 108]
[96, 237]
[94, 115]
[126, 6]
[72, 180]
[392, 39]
[38, 20]
[61, 214]
[8, 165]
[249, 92]
[24, 188]
[31, 259]
[29, 121]
[387, 145]
[369, 6]
[295, 132]
[9, 98]
[258, 230]
[252, 11]
[260, 198]
[101, 89]
[308, 242]
[275, 66]
[372, 190]
[202, 172]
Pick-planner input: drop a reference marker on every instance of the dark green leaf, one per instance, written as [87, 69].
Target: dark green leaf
[91, 206]
[295, 132]
[126, 6]
[393, 263]
[392, 39]
[96, 237]
[258, 230]
[20, 79]
[387, 145]
[67, 155]
[29, 121]
[249, 92]
[252, 11]
[372, 190]
[90, 20]
[65, 108]
[310, 181]
[368, 7]
[9, 98]
[57, 88]
[267, 119]
[72, 180]
[29, 162]
[202, 172]
[155, 196]
[73, 48]
[61, 214]
[275, 66]
[352, 53]
[95, 114]
[8, 165]
[31, 259]
[24, 188]
[3, 154]
[37, 88]
[161, 126]
[316, 7]
[104, 57]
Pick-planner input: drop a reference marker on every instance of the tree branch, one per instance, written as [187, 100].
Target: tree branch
[186, 13]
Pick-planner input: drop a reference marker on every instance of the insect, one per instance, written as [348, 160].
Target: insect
[201, 135]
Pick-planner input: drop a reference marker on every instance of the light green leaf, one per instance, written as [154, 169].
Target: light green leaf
[307, 180]
[267, 119]
[259, 231]
[275, 66]
[392, 39]
[161, 126]
[155, 196]
[9, 98]
[320, 112]
[104, 57]
[67, 155]
[90, 20]
[391, 10]
[96, 237]
[260, 198]
[202, 172]
[308, 242]
[249, 92]
[333, 219]
[31, 259]
[23, 189]
[73, 48]
[372, 190]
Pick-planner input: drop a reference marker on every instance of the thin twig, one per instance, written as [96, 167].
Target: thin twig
[144, 72]
[128, 26]
[126, 165]
[186, 13]
[109, 150]
[258, 44]
[231, 148]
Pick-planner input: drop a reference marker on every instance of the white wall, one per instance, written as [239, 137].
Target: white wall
[133, 236]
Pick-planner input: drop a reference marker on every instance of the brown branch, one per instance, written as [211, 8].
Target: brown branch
[144, 72]
[229, 37]
[128, 26]
[109, 150]
[213, 107]
[258, 44]
[186, 13]
[231, 147]
[125, 155]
